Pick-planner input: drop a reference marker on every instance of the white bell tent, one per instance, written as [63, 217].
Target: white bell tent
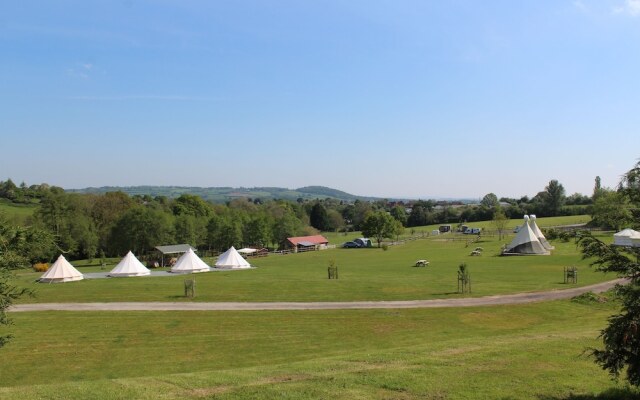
[129, 266]
[538, 233]
[61, 271]
[190, 263]
[627, 237]
[231, 259]
[525, 242]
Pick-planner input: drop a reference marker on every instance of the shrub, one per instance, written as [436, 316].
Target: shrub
[41, 267]
[385, 247]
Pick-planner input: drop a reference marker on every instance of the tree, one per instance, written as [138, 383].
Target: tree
[141, 229]
[555, 197]
[318, 217]
[19, 247]
[611, 210]
[379, 225]
[490, 201]
[621, 338]
[500, 221]
[399, 214]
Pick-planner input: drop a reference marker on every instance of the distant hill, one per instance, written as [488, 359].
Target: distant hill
[223, 194]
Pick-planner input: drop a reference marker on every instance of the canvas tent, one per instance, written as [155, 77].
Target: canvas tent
[129, 266]
[190, 263]
[538, 233]
[627, 237]
[61, 271]
[231, 259]
[525, 242]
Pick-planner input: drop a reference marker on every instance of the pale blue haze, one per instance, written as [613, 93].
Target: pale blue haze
[380, 98]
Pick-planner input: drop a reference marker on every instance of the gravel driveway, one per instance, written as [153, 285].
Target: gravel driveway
[519, 298]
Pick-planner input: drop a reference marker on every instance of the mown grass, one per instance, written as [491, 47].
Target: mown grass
[516, 352]
[17, 213]
[364, 274]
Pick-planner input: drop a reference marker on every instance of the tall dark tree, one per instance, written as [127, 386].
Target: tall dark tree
[621, 338]
[554, 198]
[319, 218]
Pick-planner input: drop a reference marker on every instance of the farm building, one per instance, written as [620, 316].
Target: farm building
[306, 243]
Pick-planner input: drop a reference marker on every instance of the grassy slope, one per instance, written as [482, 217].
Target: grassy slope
[531, 351]
[365, 274]
[17, 213]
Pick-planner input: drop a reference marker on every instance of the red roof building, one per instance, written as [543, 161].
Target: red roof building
[306, 242]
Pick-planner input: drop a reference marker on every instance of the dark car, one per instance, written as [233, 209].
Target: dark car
[351, 245]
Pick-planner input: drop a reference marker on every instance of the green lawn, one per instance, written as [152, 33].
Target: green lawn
[505, 352]
[365, 274]
[17, 213]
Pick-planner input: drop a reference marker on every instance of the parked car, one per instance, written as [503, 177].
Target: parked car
[472, 231]
[350, 245]
[363, 242]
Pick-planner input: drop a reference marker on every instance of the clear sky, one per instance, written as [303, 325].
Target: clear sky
[381, 98]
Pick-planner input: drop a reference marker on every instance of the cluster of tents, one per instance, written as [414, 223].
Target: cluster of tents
[189, 262]
[529, 240]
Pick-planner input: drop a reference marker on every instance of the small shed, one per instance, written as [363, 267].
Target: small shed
[306, 243]
[174, 249]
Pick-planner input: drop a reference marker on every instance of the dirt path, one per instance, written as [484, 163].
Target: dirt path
[519, 298]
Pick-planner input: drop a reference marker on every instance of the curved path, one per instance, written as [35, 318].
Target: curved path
[519, 298]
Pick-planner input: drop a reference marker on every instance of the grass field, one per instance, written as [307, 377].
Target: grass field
[365, 274]
[18, 214]
[533, 351]
[506, 352]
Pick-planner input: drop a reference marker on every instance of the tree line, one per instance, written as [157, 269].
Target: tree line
[89, 225]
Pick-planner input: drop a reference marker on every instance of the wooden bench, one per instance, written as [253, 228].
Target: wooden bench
[422, 263]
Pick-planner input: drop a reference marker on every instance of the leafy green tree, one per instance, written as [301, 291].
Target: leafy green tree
[189, 229]
[257, 232]
[500, 221]
[335, 220]
[191, 205]
[140, 229]
[490, 201]
[380, 225]
[612, 210]
[106, 210]
[399, 214]
[19, 247]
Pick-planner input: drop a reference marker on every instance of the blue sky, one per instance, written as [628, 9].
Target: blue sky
[382, 98]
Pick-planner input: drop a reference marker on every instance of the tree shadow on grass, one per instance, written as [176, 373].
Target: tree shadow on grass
[611, 394]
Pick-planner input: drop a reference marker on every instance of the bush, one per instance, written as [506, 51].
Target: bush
[385, 247]
[41, 267]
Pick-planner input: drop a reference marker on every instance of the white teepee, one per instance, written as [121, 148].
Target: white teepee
[627, 237]
[525, 242]
[189, 262]
[231, 259]
[129, 266]
[538, 233]
[61, 271]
